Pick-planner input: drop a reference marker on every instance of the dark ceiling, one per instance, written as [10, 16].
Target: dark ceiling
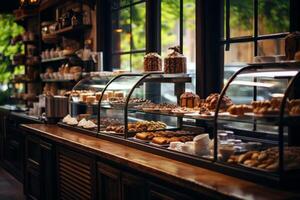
[7, 6]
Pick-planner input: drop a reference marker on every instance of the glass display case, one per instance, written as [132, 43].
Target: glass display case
[123, 105]
[83, 103]
[257, 137]
[249, 130]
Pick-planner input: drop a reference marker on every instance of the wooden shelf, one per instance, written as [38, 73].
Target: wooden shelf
[54, 59]
[21, 14]
[72, 29]
[23, 81]
[32, 42]
[53, 37]
[52, 3]
[59, 81]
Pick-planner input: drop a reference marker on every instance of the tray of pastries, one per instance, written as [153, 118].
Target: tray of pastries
[268, 160]
[164, 138]
[81, 121]
[121, 101]
[136, 127]
[264, 109]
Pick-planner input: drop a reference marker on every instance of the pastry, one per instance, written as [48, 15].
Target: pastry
[212, 100]
[204, 111]
[110, 94]
[295, 111]
[292, 45]
[119, 94]
[160, 140]
[72, 121]
[144, 135]
[182, 110]
[267, 107]
[294, 107]
[82, 97]
[89, 125]
[297, 56]
[98, 95]
[66, 118]
[82, 122]
[239, 109]
[175, 62]
[152, 62]
[90, 99]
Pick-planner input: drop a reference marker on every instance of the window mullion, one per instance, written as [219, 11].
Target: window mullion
[227, 21]
[255, 5]
[131, 42]
[181, 26]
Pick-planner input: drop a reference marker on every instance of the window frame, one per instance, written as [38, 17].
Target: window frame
[131, 51]
[255, 37]
[209, 29]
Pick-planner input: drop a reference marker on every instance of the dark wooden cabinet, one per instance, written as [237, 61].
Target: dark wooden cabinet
[12, 143]
[39, 169]
[158, 192]
[32, 181]
[13, 148]
[114, 184]
[133, 187]
[109, 178]
[76, 175]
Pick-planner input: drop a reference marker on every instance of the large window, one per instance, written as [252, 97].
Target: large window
[253, 28]
[128, 34]
[177, 27]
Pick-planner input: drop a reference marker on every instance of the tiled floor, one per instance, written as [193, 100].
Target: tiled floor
[10, 188]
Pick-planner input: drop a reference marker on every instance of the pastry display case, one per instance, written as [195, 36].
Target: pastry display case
[249, 130]
[257, 136]
[126, 101]
[83, 102]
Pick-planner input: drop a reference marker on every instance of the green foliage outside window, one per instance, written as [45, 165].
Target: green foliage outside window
[273, 15]
[9, 29]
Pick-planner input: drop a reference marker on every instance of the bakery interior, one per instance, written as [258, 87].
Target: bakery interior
[149, 99]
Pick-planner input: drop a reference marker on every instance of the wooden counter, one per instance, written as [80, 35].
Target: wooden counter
[184, 175]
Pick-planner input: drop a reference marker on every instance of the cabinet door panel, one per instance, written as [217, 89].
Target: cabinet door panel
[47, 164]
[108, 182]
[157, 192]
[33, 150]
[33, 184]
[75, 175]
[133, 187]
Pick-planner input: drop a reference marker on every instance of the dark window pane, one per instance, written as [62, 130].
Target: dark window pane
[271, 47]
[138, 26]
[121, 62]
[237, 57]
[137, 62]
[273, 16]
[241, 18]
[189, 33]
[121, 30]
[170, 13]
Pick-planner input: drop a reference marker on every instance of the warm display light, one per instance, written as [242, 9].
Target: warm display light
[24, 3]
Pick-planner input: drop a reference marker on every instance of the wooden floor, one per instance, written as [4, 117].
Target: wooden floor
[10, 188]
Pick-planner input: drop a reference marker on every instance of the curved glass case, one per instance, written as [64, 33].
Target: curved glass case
[257, 135]
[83, 102]
[249, 130]
[124, 97]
